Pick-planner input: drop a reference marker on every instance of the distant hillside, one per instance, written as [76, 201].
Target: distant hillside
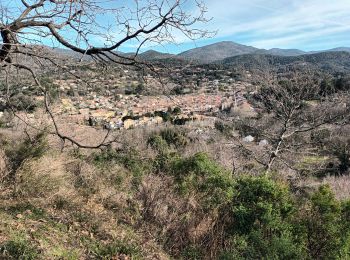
[346, 49]
[282, 52]
[223, 52]
[216, 51]
[335, 60]
[154, 55]
[265, 67]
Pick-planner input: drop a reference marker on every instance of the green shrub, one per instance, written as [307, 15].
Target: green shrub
[260, 202]
[30, 148]
[199, 173]
[223, 127]
[165, 115]
[169, 136]
[19, 248]
[113, 250]
[192, 253]
[164, 143]
[174, 137]
[323, 226]
[130, 159]
[258, 221]
[22, 102]
[176, 111]
[157, 143]
[164, 160]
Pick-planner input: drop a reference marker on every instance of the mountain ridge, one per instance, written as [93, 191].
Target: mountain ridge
[225, 49]
[216, 52]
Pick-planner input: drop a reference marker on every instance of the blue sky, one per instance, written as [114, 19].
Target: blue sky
[301, 24]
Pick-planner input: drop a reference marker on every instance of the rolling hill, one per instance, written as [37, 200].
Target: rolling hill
[222, 52]
[154, 55]
[216, 51]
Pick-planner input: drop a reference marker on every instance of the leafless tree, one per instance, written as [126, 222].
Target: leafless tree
[92, 28]
[288, 113]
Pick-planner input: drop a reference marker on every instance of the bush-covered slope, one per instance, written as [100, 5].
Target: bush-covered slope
[157, 200]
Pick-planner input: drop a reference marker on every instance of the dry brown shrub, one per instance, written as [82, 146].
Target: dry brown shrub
[340, 186]
[3, 165]
[178, 220]
[44, 177]
[115, 192]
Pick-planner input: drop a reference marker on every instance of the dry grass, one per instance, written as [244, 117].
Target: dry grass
[340, 186]
[43, 178]
[66, 207]
[3, 165]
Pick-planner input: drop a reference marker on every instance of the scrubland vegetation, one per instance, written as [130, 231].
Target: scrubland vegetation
[250, 161]
[271, 183]
[157, 197]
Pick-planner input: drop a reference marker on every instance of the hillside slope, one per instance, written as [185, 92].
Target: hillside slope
[216, 51]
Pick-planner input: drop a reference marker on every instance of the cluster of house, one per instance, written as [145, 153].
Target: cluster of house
[126, 111]
[114, 110]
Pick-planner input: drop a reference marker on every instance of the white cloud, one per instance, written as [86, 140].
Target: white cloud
[283, 22]
[305, 24]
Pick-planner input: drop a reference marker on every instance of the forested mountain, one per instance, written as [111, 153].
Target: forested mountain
[332, 61]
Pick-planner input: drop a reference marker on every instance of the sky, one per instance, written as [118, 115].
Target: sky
[289, 24]
[300, 24]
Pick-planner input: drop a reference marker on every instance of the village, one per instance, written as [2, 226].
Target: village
[123, 103]
[123, 98]
[128, 111]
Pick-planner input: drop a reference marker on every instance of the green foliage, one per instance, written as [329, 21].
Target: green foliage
[113, 250]
[165, 115]
[342, 83]
[260, 203]
[199, 173]
[223, 128]
[50, 87]
[192, 253]
[164, 160]
[176, 111]
[157, 142]
[30, 148]
[265, 223]
[181, 121]
[19, 248]
[245, 217]
[341, 149]
[167, 138]
[129, 158]
[256, 246]
[22, 102]
[259, 223]
[164, 142]
[174, 137]
[36, 213]
[324, 227]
